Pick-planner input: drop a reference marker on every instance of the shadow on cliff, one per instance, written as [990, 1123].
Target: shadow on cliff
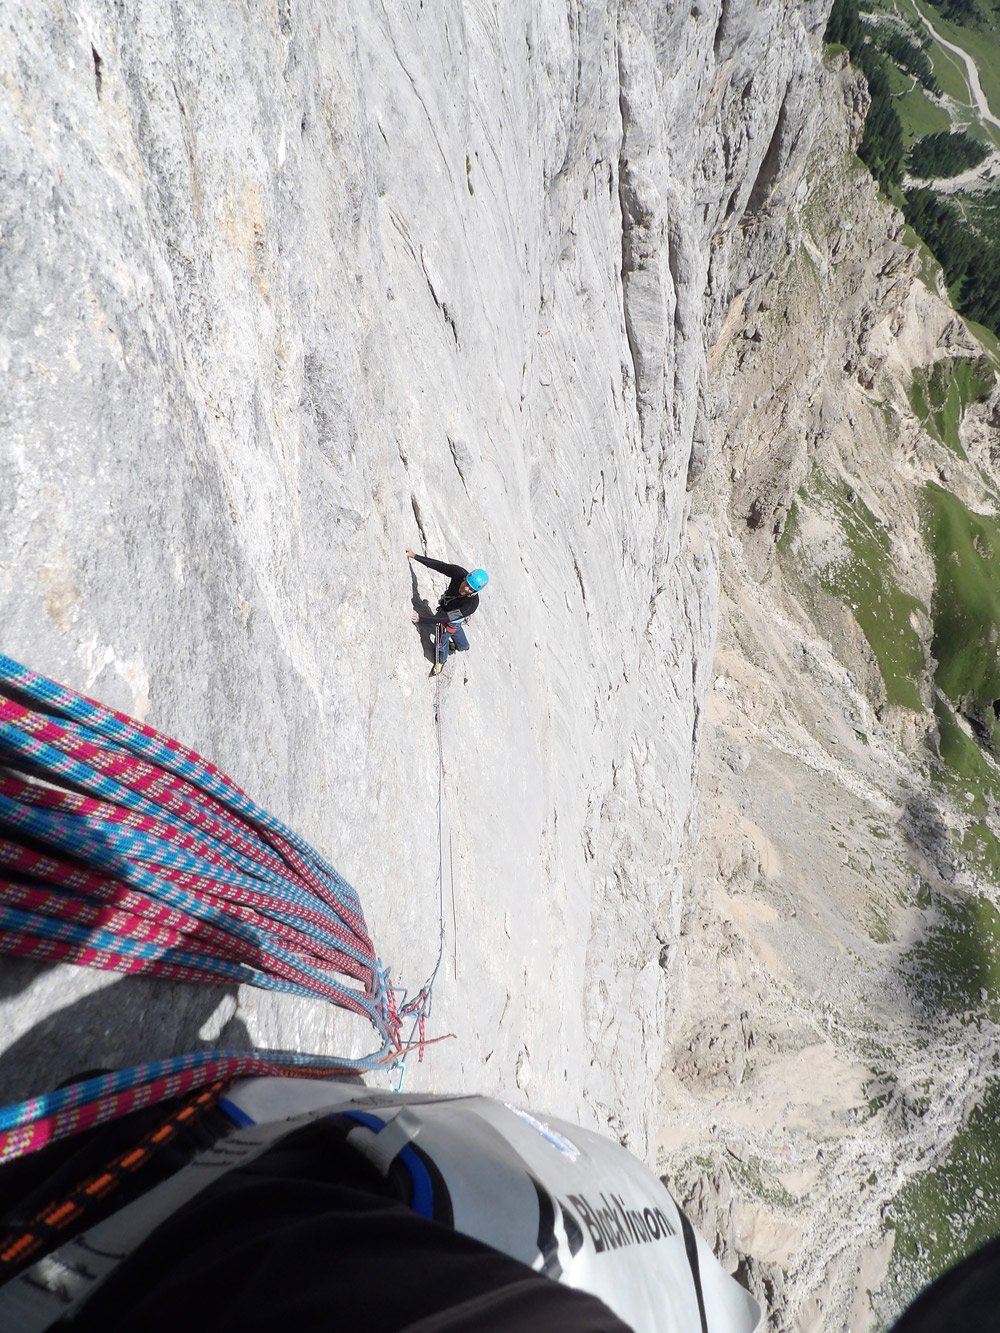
[120, 1020]
[423, 608]
[128, 1021]
[949, 970]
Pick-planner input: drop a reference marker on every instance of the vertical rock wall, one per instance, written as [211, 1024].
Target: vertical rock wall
[291, 286]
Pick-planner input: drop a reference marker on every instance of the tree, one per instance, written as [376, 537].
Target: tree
[945, 154]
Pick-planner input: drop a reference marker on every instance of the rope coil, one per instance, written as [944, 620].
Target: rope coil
[137, 855]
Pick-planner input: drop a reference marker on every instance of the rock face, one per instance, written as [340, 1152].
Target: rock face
[812, 1069]
[598, 298]
[291, 286]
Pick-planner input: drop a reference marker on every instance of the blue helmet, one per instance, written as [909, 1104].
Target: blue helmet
[477, 578]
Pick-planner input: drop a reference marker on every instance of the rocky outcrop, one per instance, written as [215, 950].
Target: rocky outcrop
[809, 1077]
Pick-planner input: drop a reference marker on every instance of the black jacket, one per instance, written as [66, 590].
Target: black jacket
[453, 608]
[303, 1238]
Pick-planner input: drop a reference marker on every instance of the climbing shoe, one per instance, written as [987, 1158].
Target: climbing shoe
[437, 668]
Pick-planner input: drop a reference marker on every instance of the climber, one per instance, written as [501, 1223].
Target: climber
[458, 602]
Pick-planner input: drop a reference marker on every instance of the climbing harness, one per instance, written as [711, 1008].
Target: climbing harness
[156, 862]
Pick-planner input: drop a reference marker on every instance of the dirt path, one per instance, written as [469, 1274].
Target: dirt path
[971, 70]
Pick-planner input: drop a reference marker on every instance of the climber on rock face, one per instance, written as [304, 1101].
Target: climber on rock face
[458, 602]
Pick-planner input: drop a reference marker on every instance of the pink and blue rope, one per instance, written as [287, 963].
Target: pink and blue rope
[154, 861]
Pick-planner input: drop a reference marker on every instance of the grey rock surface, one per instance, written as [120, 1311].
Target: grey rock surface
[289, 287]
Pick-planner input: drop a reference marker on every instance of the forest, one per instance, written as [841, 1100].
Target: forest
[969, 13]
[962, 234]
[971, 262]
[949, 153]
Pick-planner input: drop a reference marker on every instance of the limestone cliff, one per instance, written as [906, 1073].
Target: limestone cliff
[292, 286]
[596, 296]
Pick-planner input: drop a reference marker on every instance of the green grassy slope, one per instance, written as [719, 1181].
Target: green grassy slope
[864, 581]
[940, 395]
[966, 549]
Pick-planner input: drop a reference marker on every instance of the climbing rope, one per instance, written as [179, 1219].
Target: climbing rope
[420, 1006]
[23, 1239]
[123, 850]
[439, 728]
[442, 773]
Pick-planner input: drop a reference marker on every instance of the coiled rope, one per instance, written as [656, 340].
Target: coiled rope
[156, 862]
